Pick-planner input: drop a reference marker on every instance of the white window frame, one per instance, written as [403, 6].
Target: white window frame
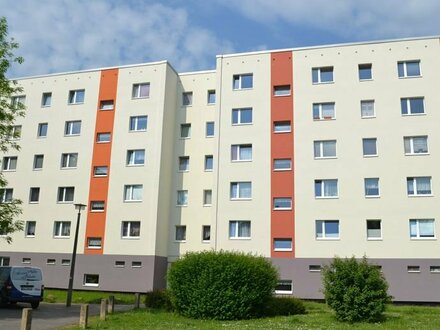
[319, 71]
[106, 105]
[409, 108]
[134, 123]
[18, 99]
[282, 90]
[408, 141]
[238, 188]
[138, 88]
[185, 126]
[36, 166]
[277, 201]
[95, 245]
[320, 107]
[6, 195]
[9, 163]
[236, 150]
[40, 130]
[404, 71]
[182, 198]
[282, 239]
[239, 114]
[279, 164]
[46, 99]
[374, 238]
[367, 195]
[183, 163]
[15, 133]
[130, 192]
[86, 280]
[319, 147]
[31, 190]
[280, 126]
[236, 227]
[237, 81]
[59, 227]
[211, 93]
[69, 128]
[103, 137]
[207, 201]
[131, 229]
[285, 283]
[132, 159]
[418, 235]
[28, 232]
[209, 163]
[187, 99]
[63, 192]
[66, 159]
[375, 144]
[414, 185]
[323, 183]
[365, 66]
[206, 229]
[76, 96]
[97, 206]
[325, 236]
[96, 171]
[209, 125]
[182, 230]
[368, 105]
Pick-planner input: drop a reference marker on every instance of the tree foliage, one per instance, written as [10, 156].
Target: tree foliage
[355, 290]
[221, 285]
[9, 111]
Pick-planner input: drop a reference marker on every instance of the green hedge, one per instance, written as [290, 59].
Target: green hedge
[221, 285]
[158, 299]
[284, 306]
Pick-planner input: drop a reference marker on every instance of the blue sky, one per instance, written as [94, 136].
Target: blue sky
[68, 35]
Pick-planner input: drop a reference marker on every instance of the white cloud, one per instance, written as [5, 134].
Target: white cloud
[68, 35]
[355, 19]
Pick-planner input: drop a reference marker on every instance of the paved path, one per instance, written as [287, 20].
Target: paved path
[47, 316]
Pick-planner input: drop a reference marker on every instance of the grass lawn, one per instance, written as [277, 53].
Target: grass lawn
[86, 297]
[319, 317]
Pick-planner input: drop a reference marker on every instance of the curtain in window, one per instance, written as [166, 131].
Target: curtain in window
[330, 188]
[245, 190]
[423, 186]
[420, 144]
[329, 148]
[245, 153]
[328, 110]
[244, 229]
[233, 229]
[426, 228]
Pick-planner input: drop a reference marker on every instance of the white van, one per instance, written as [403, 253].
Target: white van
[21, 284]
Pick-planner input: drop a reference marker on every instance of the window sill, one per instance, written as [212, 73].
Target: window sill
[240, 238]
[94, 285]
[97, 211]
[211, 170]
[240, 160]
[37, 202]
[207, 205]
[41, 137]
[282, 250]
[410, 77]
[328, 239]
[367, 79]
[132, 201]
[423, 238]
[241, 124]
[413, 114]
[371, 156]
[283, 292]
[182, 241]
[323, 82]
[330, 157]
[76, 103]
[184, 205]
[243, 89]
[283, 95]
[184, 138]
[61, 237]
[282, 209]
[326, 197]
[68, 168]
[182, 171]
[206, 241]
[372, 196]
[209, 136]
[102, 142]
[135, 165]
[71, 135]
[282, 132]
[140, 97]
[65, 202]
[420, 195]
[94, 247]
[9, 170]
[37, 169]
[240, 199]
[282, 169]
[418, 154]
[324, 119]
[130, 238]
[368, 117]
[374, 239]
[29, 236]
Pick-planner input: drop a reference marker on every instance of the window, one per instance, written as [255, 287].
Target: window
[135, 157]
[42, 130]
[94, 242]
[282, 244]
[131, 229]
[97, 206]
[180, 233]
[421, 228]
[315, 268]
[206, 233]
[434, 269]
[72, 128]
[18, 100]
[371, 187]
[369, 147]
[4, 261]
[327, 229]
[100, 171]
[322, 75]
[282, 203]
[26, 260]
[34, 195]
[187, 98]
[242, 116]
[209, 129]
[50, 261]
[103, 137]
[282, 164]
[38, 162]
[242, 81]
[91, 280]
[6, 195]
[65, 194]
[30, 228]
[15, 133]
[324, 149]
[133, 193]
[239, 229]
[10, 163]
[284, 287]
[374, 229]
[209, 163]
[106, 105]
[119, 264]
[211, 96]
[282, 126]
[138, 123]
[76, 96]
[182, 197]
[324, 111]
[367, 109]
[65, 262]
[283, 90]
[365, 72]
[61, 229]
[69, 160]
[46, 99]
[413, 269]
[419, 186]
[241, 190]
[184, 163]
[185, 131]
[241, 152]
[207, 197]
[326, 188]
[415, 145]
[136, 264]
[412, 105]
[407, 69]
[140, 90]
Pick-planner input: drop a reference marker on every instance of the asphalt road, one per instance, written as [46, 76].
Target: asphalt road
[47, 316]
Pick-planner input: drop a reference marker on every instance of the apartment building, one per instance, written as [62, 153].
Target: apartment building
[298, 155]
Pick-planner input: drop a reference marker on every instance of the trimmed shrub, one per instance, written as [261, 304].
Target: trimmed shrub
[158, 299]
[284, 306]
[355, 290]
[221, 285]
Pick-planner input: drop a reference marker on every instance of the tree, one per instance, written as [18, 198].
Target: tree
[355, 290]
[9, 111]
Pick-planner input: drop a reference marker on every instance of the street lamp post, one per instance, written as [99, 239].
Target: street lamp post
[78, 207]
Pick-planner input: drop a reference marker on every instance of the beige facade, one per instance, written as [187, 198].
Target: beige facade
[190, 166]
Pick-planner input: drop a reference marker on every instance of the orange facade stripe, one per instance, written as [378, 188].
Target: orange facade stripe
[282, 147]
[98, 191]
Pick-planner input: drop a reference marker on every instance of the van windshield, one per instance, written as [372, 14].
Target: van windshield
[26, 274]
